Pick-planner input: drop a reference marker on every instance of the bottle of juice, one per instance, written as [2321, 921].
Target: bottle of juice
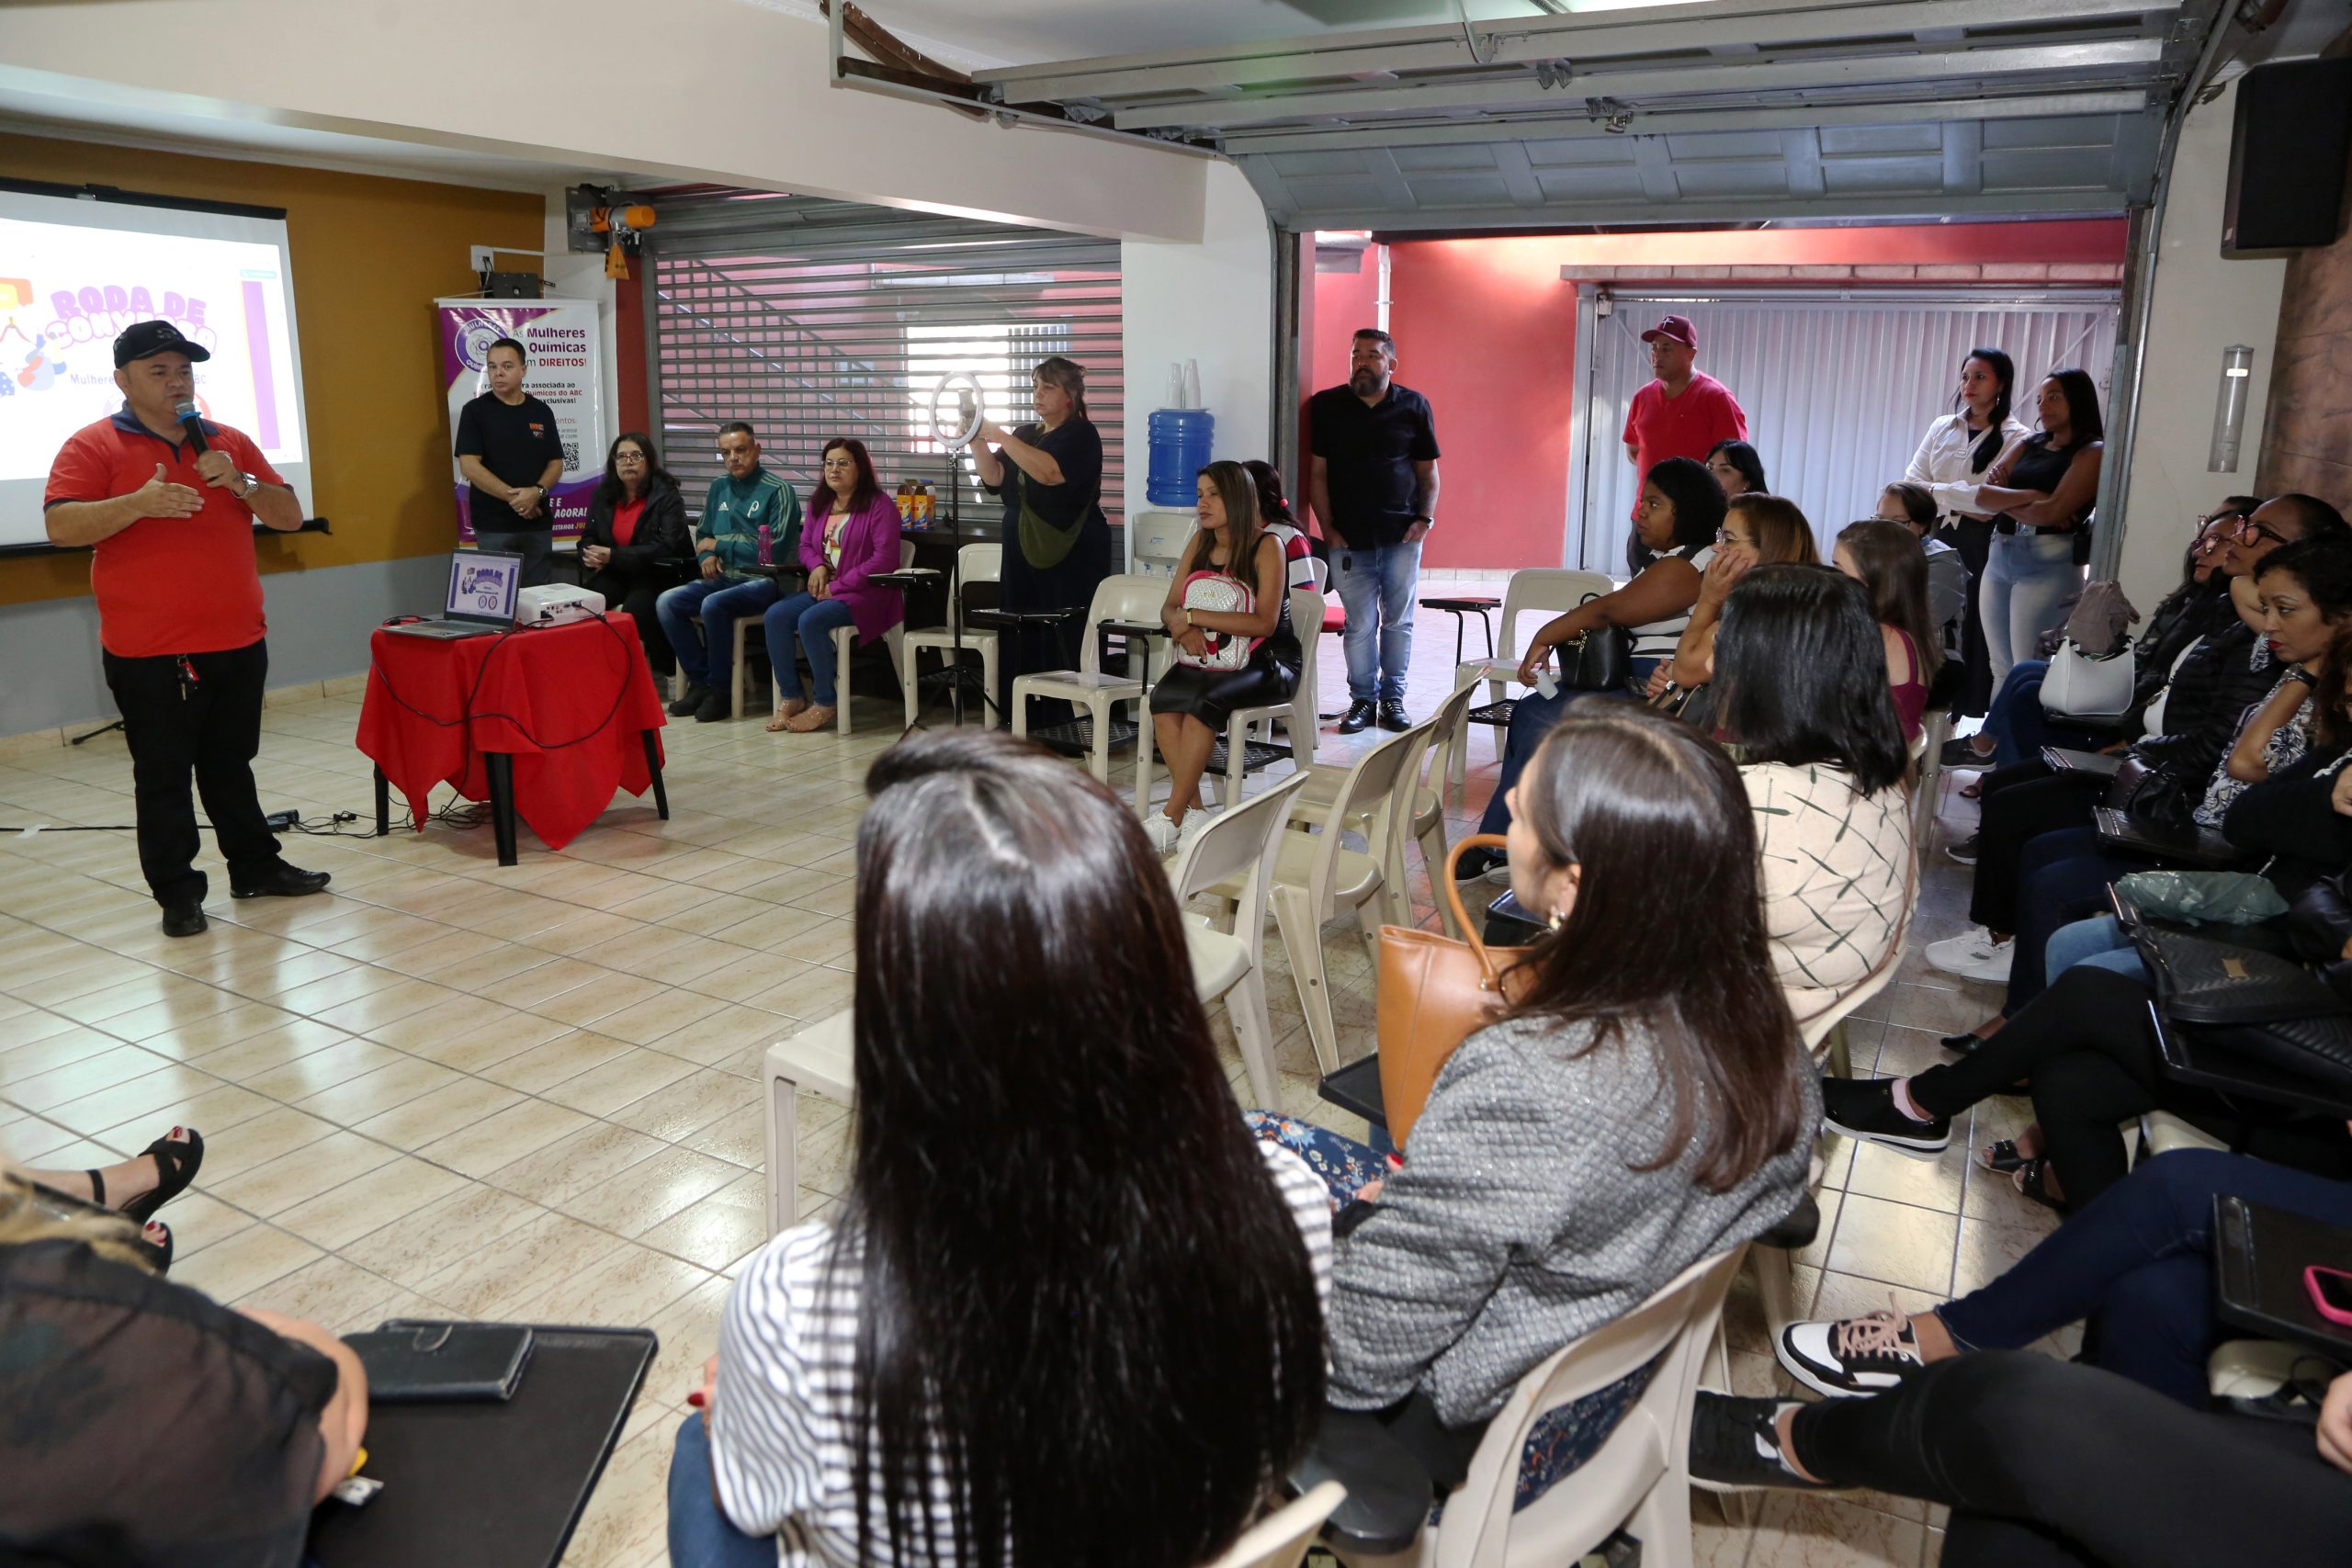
[906, 502]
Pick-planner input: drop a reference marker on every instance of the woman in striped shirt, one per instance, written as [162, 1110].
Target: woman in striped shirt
[1016, 1343]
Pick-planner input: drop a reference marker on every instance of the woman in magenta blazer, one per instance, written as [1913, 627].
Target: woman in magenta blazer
[852, 533]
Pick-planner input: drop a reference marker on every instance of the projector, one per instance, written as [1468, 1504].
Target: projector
[556, 603]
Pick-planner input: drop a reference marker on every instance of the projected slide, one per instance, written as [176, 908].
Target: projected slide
[73, 274]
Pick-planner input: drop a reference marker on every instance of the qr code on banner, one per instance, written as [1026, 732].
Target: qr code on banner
[571, 454]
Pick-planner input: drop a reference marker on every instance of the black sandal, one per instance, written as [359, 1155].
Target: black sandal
[2002, 1156]
[175, 1167]
[2029, 1179]
[157, 1254]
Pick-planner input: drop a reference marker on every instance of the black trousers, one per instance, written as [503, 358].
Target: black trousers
[2021, 802]
[636, 595]
[2050, 1464]
[1972, 537]
[207, 728]
[2082, 1047]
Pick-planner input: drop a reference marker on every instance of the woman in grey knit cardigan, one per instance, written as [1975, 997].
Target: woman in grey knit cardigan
[1644, 1102]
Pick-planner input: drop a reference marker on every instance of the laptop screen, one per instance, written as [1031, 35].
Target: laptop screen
[482, 585]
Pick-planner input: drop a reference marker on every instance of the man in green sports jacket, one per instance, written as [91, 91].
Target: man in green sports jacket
[726, 553]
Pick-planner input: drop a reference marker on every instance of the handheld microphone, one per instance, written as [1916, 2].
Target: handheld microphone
[191, 421]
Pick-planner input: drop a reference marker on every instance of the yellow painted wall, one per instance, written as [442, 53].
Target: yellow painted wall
[368, 256]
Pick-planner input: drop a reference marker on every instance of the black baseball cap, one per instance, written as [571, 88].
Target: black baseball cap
[145, 338]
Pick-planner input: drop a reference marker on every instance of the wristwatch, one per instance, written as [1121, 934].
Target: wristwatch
[252, 484]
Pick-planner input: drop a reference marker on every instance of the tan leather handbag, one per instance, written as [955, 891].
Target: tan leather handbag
[1434, 992]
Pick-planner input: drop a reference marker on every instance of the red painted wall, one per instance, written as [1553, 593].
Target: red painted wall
[1487, 330]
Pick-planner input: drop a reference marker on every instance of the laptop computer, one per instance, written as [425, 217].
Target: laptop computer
[482, 589]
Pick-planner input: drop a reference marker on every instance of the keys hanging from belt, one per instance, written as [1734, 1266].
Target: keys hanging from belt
[189, 680]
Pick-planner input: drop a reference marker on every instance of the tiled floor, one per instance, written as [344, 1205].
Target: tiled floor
[530, 1093]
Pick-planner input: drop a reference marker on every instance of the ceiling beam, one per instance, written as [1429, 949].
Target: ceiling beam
[1580, 126]
[1923, 206]
[1595, 35]
[1744, 78]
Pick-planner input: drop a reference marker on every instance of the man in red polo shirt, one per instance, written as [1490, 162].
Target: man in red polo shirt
[179, 613]
[1683, 413]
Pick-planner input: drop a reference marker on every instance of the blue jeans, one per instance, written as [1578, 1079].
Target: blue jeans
[2099, 942]
[2027, 578]
[2020, 725]
[1532, 718]
[709, 659]
[1564, 1436]
[2138, 1256]
[700, 1535]
[1376, 590]
[812, 620]
[2062, 877]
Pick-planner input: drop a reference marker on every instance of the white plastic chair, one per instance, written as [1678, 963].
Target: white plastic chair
[1427, 825]
[1282, 1537]
[1546, 589]
[1640, 1481]
[1241, 843]
[1296, 712]
[974, 563]
[820, 1059]
[1316, 878]
[845, 643]
[1127, 597]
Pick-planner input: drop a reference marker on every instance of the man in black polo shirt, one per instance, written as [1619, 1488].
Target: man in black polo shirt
[1373, 483]
[510, 453]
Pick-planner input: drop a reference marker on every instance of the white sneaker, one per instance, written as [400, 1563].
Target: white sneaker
[1196, 823]
[1973, 955]
[1161, 831]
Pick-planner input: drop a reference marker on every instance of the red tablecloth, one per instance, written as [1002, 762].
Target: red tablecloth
[547, 698]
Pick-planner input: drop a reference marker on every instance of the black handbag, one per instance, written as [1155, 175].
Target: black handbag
[1601, 659]
[2267, 1010]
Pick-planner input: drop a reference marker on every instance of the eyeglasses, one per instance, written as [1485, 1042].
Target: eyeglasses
[2248, 526]
[628, 456]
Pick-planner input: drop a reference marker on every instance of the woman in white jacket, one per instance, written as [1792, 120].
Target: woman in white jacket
[1954, 457]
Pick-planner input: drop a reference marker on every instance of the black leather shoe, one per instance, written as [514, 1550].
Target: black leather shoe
[282, 881]
[185, 919]
[684, 706]
[712, 708]
[1358, 719]
[1392, 716]
[1474, 863]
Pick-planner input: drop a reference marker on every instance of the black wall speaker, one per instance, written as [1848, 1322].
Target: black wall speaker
[2288, 156]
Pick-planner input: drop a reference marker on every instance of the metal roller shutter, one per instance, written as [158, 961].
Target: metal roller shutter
[814, 319]
[1837, 391]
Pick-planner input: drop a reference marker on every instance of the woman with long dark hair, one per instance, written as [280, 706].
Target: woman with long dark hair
[1192, 702]
[1802, 699]
[1738, 469]
[1274, 514]
[2043, 491]
[1955, 456]
[1015, 1344]
[1056, 541]
[1677, 524]
[1641, 1103]
[1886, 559]
[851, 534]
[637, 520]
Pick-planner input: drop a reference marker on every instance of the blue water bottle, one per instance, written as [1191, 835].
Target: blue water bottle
[768, 546]
[1181, 444]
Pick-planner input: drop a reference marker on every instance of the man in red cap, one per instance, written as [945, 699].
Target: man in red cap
[166, 502]
[1684, 412]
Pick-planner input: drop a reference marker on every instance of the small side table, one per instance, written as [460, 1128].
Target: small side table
[1476, 604]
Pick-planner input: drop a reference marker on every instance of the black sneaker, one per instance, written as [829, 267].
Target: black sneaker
[1357, 719]
[1474, 863]
[1735, 1445]
[1865, 1109]
[684, 706]
[1962, 752]
[1852, 1356]
[712, 708]
[1964, 852]
[185, 919]
[1392, 716]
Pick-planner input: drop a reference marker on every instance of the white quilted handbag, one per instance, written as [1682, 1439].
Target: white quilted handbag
[1218, 595]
